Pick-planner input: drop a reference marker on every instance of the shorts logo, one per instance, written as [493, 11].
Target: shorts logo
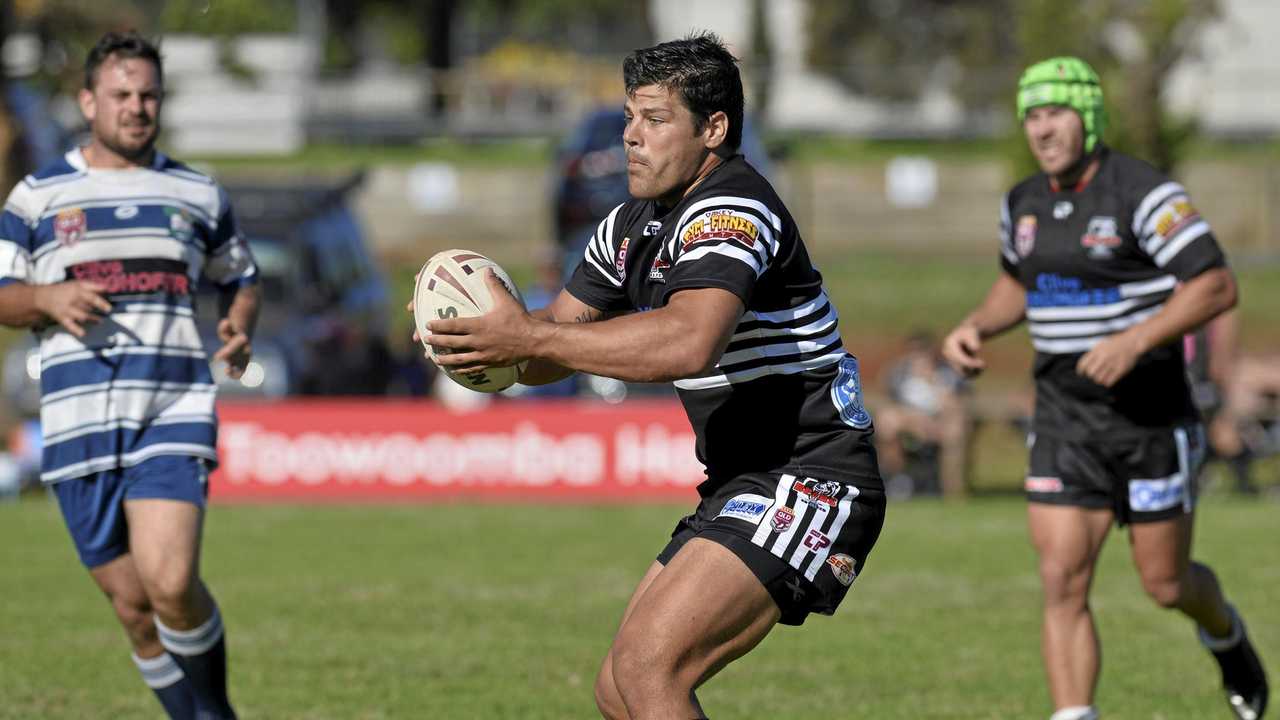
[750, 508]
[1024, 238]
[1154, 495]
[1042, 484]
[621, 263]
[1101, 238]
[827, 492]
[782, 518]
[69, 227]
[844, 568]
[815, 540]
[846, 395]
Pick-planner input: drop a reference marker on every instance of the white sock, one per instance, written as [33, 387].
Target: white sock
[1076, 712]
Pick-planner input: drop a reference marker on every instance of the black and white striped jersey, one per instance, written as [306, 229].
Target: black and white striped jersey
[1095, 261]
[784, 395]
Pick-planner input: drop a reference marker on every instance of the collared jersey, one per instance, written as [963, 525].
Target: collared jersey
[1095, 262]
[784, 395]
[138, 384]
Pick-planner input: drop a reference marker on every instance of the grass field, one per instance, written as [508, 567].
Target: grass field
[459, 611]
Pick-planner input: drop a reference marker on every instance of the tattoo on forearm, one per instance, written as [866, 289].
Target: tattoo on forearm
[587, 316]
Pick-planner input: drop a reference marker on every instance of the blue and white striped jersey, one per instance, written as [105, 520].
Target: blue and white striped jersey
[138, 384]
[785, 395]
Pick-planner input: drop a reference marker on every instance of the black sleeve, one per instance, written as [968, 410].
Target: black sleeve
[597, 281]
[1172, 233]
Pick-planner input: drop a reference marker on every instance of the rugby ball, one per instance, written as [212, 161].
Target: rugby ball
[451, 284]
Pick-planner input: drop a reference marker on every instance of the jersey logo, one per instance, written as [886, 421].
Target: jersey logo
[621, 263]
[720, 225]
[846, 395]
[69, 227]
[657, 273]
[651, 228]
[1063, 209]
[180, 225]
[1024, 238]
[1177, 215]
[1101, 238]
[126, 212]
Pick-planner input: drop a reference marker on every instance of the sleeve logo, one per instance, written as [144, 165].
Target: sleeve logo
[720, 225]
[1177, 215]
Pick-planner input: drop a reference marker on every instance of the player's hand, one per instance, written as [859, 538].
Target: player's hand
[73, 304]
[961, 348]
[236, 348]
[500, 338]
[1110, 360]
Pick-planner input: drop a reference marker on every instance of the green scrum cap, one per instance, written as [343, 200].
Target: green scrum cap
[1066, 81]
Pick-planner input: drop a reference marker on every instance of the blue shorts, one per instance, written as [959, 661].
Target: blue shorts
[93, 505]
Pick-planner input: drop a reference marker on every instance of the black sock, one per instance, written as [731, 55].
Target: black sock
[202, 655]
[162, 674]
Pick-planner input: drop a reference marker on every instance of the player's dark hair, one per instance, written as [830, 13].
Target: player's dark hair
[122, 46]
[703, 71]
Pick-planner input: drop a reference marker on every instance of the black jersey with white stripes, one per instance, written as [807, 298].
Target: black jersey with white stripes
[1095, 261]
[785, 395]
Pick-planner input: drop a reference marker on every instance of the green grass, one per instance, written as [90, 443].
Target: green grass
[457, 611]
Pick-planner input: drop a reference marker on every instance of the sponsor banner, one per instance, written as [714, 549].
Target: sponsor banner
[353, 450]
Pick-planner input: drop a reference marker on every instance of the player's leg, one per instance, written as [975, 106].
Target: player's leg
[681, 632]
[95, 518]
[165, 508]
[1161, 538]
[607, 698]
[1067, 540]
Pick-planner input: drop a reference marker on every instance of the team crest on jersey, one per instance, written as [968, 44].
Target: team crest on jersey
[1101, 238]
[1176, 215]
[657, 273]
[69, 226]
[844, 568]
[782, 518]
[620, 264]
[720, 225]
[181, 228]
[1024, 237]
[846, 395]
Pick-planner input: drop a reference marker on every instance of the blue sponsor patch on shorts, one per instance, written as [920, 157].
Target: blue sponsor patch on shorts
[748, 507]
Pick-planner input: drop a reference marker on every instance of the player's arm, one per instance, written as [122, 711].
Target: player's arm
[1003, 309]
[564, 309]
[74, 305]
[238, 312]
[1192, 304]
[681, 339]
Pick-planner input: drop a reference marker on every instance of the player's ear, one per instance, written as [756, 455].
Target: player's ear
[88, 104]
[715, 130]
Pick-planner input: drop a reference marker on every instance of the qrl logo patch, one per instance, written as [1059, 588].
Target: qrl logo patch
[69, 227]
[1024, 238]
[621, 263]
[782, 518]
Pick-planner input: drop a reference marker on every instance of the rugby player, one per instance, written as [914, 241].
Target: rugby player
[703, 280]
[1110, 263]
[99, 255]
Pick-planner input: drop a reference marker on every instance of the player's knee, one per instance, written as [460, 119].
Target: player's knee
[638, 664]
[608, 701]
[171, 593]
[1063, 583]
[135, 615]
[1166, 592]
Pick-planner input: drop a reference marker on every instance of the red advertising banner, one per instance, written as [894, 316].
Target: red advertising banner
[356, 450]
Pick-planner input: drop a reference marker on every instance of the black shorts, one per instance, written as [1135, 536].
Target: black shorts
[1147, 478]
[804, 538]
